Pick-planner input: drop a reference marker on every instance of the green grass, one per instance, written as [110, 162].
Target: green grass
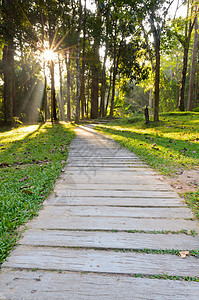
[169, 146]
[192, 200]
[31, 159]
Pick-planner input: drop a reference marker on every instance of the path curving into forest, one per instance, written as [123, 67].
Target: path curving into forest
[110, 230]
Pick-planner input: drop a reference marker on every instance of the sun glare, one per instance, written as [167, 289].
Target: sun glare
[49, 55]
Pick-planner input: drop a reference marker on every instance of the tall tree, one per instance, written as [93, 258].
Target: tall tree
[77, 116]
[97, 30]
[185, 41]
[193, 65]
[8, 60]
[156, 11]
[82, 89]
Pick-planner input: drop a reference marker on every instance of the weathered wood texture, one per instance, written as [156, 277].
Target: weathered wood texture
[111, 240]
[120, 193]
[104, 188]
[40, 285]
[110, 223]
[128, 212]
[106, 201]
[86, 260]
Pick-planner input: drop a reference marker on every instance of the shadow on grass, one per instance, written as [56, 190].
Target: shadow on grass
[157, 149]
[35, 163]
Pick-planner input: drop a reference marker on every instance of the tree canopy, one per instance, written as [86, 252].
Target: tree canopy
[74, 60]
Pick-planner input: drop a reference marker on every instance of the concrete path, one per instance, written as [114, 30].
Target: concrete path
[91, 238]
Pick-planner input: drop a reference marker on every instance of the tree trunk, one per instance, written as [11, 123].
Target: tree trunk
[109, 93]
[150, 100]
[53, 98]
[157, 80]
[115, 69]
[181, 104]
[45, 99]
[77, 116]
[82, 89]
[197, 83]
[192, 71]
[188, 30]
[95, 85]
[8, 84]
[114, 77]
[61, 104]
[103, 89]
[9, 92]
[68, 62]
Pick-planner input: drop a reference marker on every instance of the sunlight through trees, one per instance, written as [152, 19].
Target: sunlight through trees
[74, 59]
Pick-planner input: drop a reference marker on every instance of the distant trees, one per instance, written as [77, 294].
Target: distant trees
[64, 50]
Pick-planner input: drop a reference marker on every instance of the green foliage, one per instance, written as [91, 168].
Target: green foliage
[31, 160]
[192, 199]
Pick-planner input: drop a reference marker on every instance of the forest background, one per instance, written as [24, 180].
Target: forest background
[64, 60]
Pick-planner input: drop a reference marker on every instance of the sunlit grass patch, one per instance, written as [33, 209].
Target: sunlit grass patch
[171, 145]
[31, 159]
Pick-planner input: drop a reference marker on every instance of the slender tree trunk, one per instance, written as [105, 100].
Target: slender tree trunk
[77, 116]
[95, 85]
[45, 98]
[9, 92]
[82, 89]
[188, 30]
[197, 82]
[53, 98]
[88, 94]
[115, 69]
[61, 90]
[8, 84]
[68, 62]
[157, 80]
[114, 76]
[103, 89]
[181, 104]
[150, 100]
[192, 71]
[109, 93]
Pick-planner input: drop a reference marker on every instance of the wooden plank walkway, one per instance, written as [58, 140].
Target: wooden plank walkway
[93, 237]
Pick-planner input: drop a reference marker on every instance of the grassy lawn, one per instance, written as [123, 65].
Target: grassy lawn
[31, 159]
[169, 147]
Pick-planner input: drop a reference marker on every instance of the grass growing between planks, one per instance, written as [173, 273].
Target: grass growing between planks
[169, 146]
[31, 159]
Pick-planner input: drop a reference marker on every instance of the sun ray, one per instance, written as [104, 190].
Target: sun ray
[36, 69]
[62, 39]
[56, 30]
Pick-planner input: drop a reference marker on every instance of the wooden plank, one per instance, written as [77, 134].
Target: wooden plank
[117, 176]
[72, 156]
[91, 164]
[114, 240]
[96, 201]
[113, 193]
[78, 163]
[47, 285]
[106, 159]
[102, 171]
[107, 223]
[143, 169]
[86, 260]
[127, 212]
[124, 187]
